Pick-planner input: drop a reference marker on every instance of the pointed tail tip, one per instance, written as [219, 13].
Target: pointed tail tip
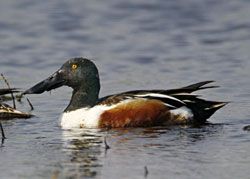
[218, 105]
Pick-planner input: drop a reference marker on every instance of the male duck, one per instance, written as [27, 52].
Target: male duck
[140, 108]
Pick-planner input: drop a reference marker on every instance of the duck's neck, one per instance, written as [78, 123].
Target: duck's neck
[82, 98]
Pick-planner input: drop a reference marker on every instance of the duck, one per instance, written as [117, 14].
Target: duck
[6, 111]
[137, 108]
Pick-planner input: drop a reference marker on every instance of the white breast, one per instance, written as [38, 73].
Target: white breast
[84, 117]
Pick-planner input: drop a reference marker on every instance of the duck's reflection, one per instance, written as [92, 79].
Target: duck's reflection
[176, 140]
[84, 148]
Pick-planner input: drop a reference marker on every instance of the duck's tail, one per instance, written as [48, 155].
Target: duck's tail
[203, 109]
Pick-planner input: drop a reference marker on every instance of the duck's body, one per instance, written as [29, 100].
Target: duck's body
[139, 108]
[143, 109]
[130, 113]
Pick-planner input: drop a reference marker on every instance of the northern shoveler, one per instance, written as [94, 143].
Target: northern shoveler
[140, 108]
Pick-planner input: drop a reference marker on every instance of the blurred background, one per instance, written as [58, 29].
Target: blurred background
[136, 44]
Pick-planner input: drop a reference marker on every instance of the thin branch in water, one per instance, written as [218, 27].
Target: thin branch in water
[106, 145]
[2, 142]
[145, 171]
[2, 131]
[31, 106]
[12, 96]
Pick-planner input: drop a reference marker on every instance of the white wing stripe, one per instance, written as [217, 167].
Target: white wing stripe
[169, 105]
[157, 95]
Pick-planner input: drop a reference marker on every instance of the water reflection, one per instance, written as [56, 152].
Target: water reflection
[198, 133]
[179, 137]
[84, 148]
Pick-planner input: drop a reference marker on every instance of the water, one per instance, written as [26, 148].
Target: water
[136, 45]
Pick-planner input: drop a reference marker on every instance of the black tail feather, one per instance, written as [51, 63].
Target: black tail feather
[198, 86]
[190, 88]
[203, 109]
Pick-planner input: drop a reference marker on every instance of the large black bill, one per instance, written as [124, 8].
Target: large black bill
[54, 81]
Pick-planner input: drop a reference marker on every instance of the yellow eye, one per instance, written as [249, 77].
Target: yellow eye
[74, 66]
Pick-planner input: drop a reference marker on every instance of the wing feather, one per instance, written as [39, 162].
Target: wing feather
[173, 98]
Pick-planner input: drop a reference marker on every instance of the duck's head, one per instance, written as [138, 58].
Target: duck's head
[77, 73]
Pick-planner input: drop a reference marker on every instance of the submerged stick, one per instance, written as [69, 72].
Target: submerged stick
[2, 142]
[12, 96]
[106, 145]
[31, 106]
[2, 131]
[145, 171]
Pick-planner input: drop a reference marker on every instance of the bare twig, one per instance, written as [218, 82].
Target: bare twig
[31, 106]
[106, 145]
[2, 131]
[145, 171]
[2, 142]
[12, 96]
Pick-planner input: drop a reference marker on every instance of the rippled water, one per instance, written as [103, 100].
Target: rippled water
[136, 45]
